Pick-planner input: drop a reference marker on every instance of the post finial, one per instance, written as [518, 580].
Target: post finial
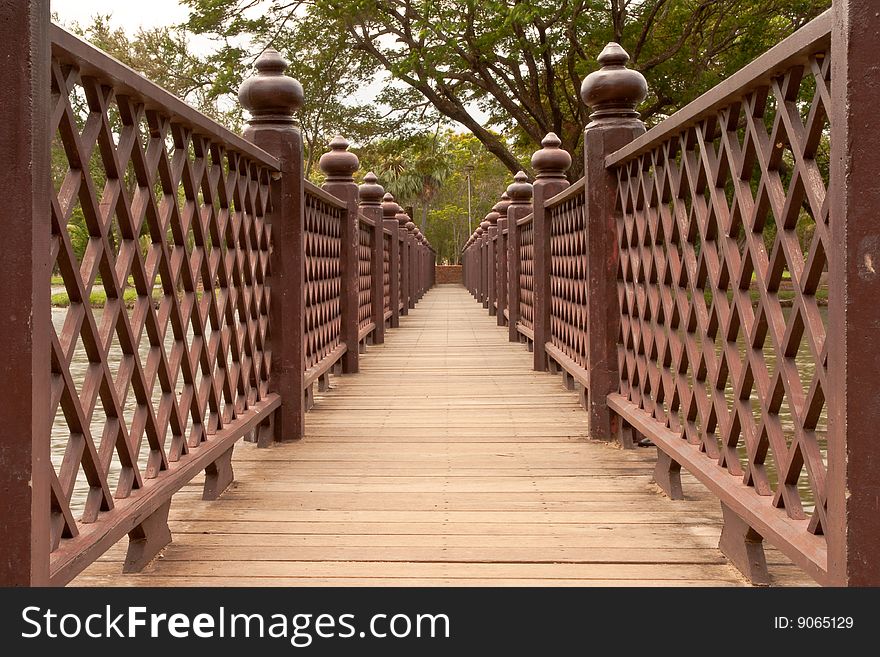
[520, 190]
[370, 192]
[501, 206]
[402, 217]
[389, 207]
[614, 91]
[551, 162]
[338, 164]
[269, 95]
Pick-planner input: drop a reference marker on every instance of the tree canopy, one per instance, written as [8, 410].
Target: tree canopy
[514, 67]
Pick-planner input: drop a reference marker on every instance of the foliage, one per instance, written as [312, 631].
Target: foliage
[430, 172]
[163, 55]
[520, 62]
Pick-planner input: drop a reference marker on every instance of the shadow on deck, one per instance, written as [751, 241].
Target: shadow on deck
[446, 462]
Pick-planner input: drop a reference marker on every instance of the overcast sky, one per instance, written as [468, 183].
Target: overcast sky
[128, 14]
[132, 14]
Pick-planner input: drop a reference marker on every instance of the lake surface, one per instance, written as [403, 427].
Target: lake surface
[78, 369]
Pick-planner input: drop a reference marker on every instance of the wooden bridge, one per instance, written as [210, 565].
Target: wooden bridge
[446, 461]
[256, 380]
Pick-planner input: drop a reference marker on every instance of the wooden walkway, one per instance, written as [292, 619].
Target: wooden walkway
[447, 461]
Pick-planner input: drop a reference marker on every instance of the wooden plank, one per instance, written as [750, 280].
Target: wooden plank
[446, 461]
[239, 580]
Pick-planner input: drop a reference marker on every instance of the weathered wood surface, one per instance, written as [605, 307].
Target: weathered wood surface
[446, 461]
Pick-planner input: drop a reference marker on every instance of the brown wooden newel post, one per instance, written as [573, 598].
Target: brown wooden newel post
[389, 220]
[613, 93]
[853, 529]
[24, 188]
[501, 258]
[550, 164]
[484, 262]
[370, 195]
[412, 287]
[272, 98]
[419, 268]
[520, 192]
[491, 245]
[339, 166]
[405, 259]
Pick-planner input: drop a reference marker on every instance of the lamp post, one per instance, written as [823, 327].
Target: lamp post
[468, 169]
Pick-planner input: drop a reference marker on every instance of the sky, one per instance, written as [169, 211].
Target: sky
[132, 14]
[127, 14]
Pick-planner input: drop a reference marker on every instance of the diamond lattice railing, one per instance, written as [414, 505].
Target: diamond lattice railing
[162, 249]
[568, 279]
[364, 254]
[386, 273]
[527, 274]
[401, 245]
[724, 247]
[323, 278]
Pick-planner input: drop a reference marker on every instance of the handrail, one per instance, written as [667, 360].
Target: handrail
[686, 290]
[814, 37]
[70, 49]
[575, 189]
[218, 270]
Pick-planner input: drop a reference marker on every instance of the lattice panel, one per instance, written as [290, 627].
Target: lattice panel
[169, 226]
[386, 272]
[364, 253]
[527, 274]
[568, 279]
[400, 272]
[500, 268]
[724, 241]
[323, 277]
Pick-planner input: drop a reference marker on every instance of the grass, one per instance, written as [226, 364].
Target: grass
[98, 298]
[786, 296]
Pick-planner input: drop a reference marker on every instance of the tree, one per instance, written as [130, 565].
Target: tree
[521, 62]
[412, 168]
[163, 56]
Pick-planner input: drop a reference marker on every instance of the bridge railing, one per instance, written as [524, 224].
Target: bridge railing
[202, 286]
[706, 281]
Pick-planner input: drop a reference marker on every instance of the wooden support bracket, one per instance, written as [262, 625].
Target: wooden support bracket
[147, 539]
[744, 547]
[218, 475]
[626, 435]
[667, 475]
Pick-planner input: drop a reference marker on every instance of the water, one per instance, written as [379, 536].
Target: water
[61, 435]
[806, 367]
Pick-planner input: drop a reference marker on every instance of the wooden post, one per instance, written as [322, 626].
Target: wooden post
[405, 259]
[501, 258]
[853, 529]
[550, 164]
[339, 166]
[412, 288]
[520, 192]
[613, 93]
[370, 196]
[420, 262]
[272, 98]
[484, 262]
[491, 247]
[25, 368]
[389, 212]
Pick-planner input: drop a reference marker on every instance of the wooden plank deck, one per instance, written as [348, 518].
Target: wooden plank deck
[446, 461]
